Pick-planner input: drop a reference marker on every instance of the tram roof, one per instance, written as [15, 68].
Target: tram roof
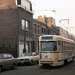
[58, 36]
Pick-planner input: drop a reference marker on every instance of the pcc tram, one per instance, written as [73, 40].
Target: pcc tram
[55, 50]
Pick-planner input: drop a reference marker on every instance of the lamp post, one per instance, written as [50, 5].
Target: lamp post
[24, 50]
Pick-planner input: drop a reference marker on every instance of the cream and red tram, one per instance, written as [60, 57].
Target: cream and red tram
[55, 50]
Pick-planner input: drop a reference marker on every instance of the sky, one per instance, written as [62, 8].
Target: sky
[64, 9]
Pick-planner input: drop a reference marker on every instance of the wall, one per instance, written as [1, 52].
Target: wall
[8, 23]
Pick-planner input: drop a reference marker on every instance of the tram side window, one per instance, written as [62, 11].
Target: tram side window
[55, 46]
[59, 45]
[66, 46]
[59, 42]
[69, 46]
[73, 46]
[62, 45]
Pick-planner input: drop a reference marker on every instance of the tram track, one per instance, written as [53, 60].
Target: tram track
[66, 69]
[60, 70]
[70, 71]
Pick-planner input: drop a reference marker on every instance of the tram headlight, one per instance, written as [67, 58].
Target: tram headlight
[56, 62]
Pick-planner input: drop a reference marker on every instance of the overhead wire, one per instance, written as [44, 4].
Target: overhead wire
[48, 6]
[57, 14]
[39, 6]
[48, 10]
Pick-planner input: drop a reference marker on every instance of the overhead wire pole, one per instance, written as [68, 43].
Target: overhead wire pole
[67, 22]
[24, 50]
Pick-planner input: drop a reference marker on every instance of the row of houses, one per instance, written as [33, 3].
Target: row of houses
[14, 14]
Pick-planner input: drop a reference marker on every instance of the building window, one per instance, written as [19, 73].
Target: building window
[23, 24]
[38, 29]
[31, 7]
[42, 29]
[27, 24]
[24, 3]
[19, 2]
[35, 28]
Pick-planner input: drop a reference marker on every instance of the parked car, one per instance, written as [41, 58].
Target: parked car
[7, 61]
[29, 57]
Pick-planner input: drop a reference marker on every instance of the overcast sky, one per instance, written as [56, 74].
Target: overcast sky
[65, 9]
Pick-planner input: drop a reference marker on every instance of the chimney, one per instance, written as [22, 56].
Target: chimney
[39, 16]
[44, 19]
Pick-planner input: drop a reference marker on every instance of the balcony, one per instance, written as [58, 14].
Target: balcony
[23, 3]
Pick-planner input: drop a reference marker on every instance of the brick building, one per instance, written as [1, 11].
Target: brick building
[50, 21]
[12, 21]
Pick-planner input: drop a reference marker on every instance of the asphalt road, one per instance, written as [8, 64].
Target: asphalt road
[35, 69]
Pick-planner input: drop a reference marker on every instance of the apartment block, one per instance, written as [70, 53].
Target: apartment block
[14, 14]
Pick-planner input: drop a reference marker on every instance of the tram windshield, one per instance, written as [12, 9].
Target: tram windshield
[48, 46]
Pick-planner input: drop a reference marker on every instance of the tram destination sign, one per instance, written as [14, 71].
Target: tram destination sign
[47, 38]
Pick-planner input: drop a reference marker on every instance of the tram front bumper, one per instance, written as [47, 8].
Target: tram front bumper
[46, 62]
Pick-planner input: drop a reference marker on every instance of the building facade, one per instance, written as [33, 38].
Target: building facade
[14, 16]
[50, 22]
[25, 17]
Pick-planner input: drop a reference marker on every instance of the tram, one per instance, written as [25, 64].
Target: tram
[55, 50]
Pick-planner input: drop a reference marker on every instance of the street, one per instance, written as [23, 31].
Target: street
[35, 69]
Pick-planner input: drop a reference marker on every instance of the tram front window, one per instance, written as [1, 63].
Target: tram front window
[48, 46]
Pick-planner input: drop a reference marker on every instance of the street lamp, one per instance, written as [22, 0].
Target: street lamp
[24, 50]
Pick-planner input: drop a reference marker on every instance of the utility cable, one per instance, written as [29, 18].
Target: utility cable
[47, 10]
